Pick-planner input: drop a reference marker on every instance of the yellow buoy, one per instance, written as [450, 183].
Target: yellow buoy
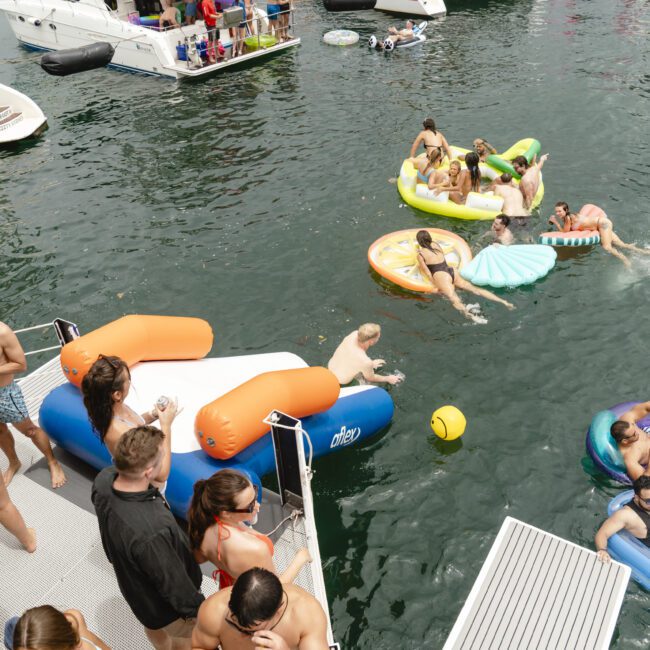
[448, 422]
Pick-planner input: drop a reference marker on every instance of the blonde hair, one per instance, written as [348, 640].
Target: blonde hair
[368, 331]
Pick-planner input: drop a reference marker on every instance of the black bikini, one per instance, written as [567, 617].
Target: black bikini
[440, 266]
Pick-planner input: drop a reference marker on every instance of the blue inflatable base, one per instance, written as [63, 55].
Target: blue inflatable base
[353, 418]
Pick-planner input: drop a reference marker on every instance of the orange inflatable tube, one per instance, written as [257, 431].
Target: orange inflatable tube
[234, 421]
[138, 338]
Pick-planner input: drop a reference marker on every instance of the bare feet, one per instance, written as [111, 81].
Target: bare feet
[58, 477]
[11, 472]
[30, 542]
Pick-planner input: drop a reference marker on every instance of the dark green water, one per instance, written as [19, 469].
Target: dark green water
[251, 199]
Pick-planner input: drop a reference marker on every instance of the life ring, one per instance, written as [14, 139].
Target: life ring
[341, 37]
[603, 448]
[260, 41]
[394, 256]
[571, 238]
[150, 21]
[137, 338]
[626, 548]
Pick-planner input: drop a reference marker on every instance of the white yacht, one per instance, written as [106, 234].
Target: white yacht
[171, 52]
[20, 117]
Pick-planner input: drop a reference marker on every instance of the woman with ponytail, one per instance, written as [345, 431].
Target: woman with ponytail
[433, 265]
[105, 389]
[46, 628]
[221, 513]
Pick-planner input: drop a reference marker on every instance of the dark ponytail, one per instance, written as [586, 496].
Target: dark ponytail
[212, 496]
[472, 160]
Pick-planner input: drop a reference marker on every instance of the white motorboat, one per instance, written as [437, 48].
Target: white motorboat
[426, 8]
[20, 117]
[170, 52]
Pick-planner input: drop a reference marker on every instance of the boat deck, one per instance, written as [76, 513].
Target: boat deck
[539, 591]
[69, 568]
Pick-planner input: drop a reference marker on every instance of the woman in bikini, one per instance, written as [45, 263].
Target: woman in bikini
[591, 217]
[104, 388]
[446, 182]
[427, 165]
[217, 526]
[431, 139]
[445, 280]
[47, 627]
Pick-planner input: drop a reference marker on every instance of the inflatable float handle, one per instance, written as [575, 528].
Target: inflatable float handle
[137, 338]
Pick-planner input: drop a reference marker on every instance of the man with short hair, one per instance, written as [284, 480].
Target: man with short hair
[633, 442]
[394, 36]
[257, 610]
[350, 360]
[500, 228]
[633, 517]
[513, 199]
[531, 176]
[151, 555]
[14, 411]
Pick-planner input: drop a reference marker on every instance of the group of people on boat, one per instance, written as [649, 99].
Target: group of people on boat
[156, 562]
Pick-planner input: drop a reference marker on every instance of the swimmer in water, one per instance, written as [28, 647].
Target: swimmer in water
[501, 231]
[429, 137]
[445, 280]
[633, 442]
[531, 177]
[594, 220]
[513, 199]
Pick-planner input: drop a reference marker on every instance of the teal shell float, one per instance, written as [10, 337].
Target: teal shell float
[509, 266]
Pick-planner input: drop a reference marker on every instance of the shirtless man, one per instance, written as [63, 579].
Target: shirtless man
[633, 442]
[482, 147]
[530, 177]
[502, 233]
[259, 612]
[394, 36]
[168, 17]
[350, 360]
[14, 411]
[513, 199]
[633, 517]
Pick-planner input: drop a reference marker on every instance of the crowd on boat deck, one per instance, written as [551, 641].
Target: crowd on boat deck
[156, 562]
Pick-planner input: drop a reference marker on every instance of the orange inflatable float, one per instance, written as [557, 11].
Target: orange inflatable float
[234, 421]
[138, 338]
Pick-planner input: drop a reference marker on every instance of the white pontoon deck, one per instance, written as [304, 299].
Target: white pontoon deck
[539, 591]
[69, 568]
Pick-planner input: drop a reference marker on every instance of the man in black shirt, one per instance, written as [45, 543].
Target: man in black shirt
[151, 555]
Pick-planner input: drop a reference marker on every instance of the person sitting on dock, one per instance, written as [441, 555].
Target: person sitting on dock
[531, 177]
[221, 509]
[168, 17]
[633, 442]
[430, 138]
[633, 517]
[260, 611]
[150, 553]
[14, 411]
[350, 360]
[104, 388]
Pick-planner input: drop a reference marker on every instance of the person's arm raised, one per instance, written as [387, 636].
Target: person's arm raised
[636, 413]
[165, 419]
[13, 351]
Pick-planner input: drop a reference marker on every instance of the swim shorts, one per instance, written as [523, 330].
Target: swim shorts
[190, 10]
[272, 11]
[12, 404]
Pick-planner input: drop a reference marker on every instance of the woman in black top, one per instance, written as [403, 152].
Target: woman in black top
[445, 280]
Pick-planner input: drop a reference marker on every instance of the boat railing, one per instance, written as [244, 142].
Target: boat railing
[65, 331]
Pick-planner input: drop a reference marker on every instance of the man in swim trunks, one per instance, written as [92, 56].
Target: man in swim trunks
[395, 35]
[350, 360]
[633, 517]
[258, 611]
[190, 12]
[500, 229]
[14, 411]
[531, 176]
[513, 199]
[633, 442]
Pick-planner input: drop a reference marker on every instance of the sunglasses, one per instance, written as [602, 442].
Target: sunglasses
[243, 630]
[250, 507]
